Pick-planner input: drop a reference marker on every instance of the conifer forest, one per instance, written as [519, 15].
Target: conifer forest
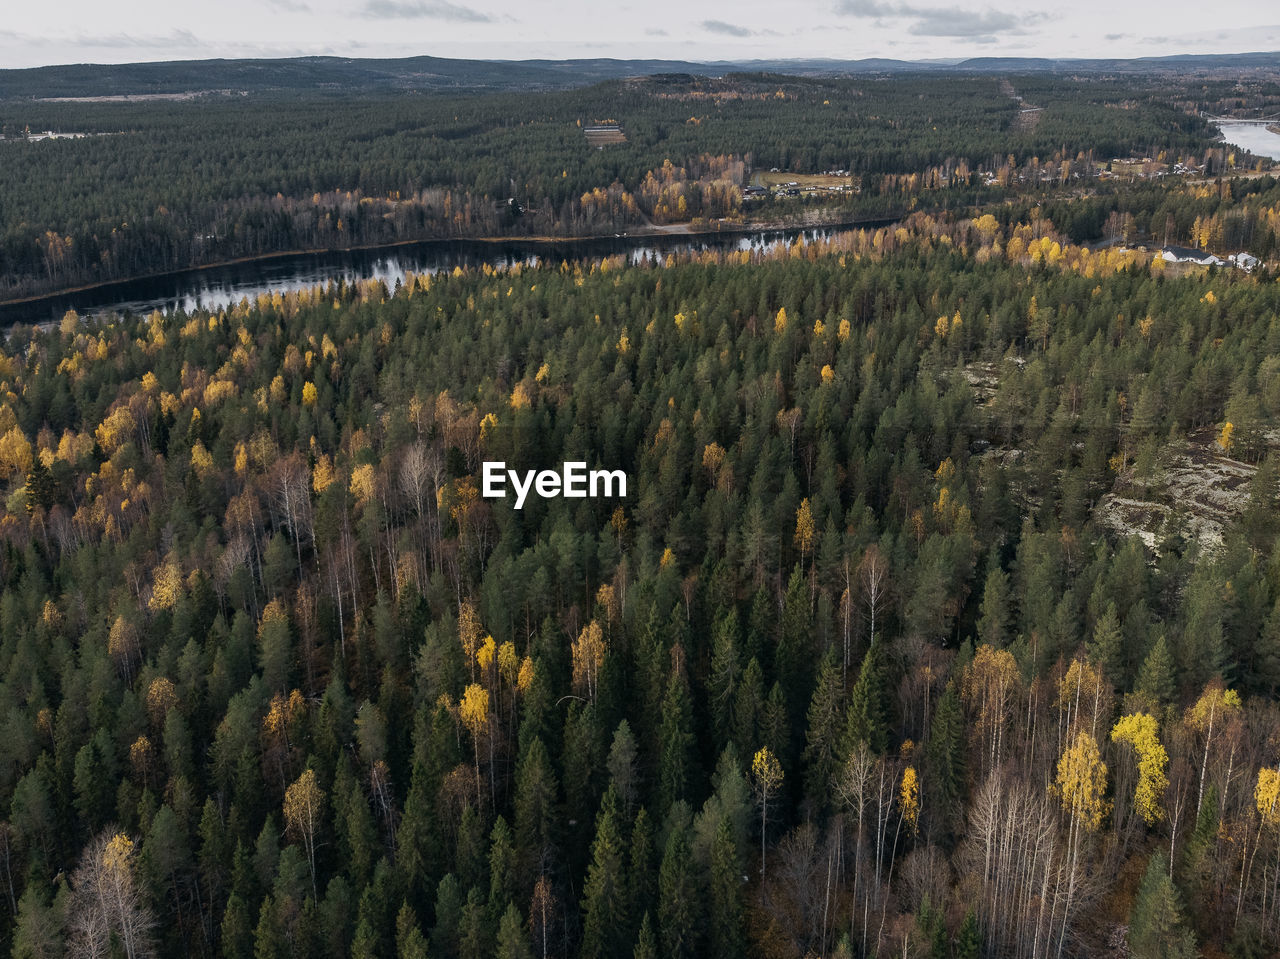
[940, 617]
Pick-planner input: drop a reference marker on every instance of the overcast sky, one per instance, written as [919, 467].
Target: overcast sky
[77, 31]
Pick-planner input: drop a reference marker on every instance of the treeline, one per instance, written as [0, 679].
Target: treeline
[852, 669]
[170, 185]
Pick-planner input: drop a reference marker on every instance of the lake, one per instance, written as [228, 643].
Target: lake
[216, 287]
[1253, 137]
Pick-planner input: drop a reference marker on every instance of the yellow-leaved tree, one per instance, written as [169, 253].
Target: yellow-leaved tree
[766, 773]
[1215, 708]
[167, 587]
[1080, 786]
[474, 710]
[1141, 731]
[909, 797]
[1082, 782]
[107, 914]
[303, 807]
[588, 657]
[804, 529]
[469, 633]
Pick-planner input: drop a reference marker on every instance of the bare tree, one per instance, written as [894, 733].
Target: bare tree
[106, 901]
[873, 574]
[290, 480]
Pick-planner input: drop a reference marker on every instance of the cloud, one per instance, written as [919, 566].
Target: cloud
[978, 25]
[955, 22]
[868, 8]
[289, 6]
[423, 9]
[122, 41]
[656, 33]
[727, 29]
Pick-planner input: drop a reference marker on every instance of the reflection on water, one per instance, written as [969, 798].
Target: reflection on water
[218, 287]
[1254, 137]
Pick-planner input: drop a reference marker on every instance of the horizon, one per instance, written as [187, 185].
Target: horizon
[151, 31]
[619, 58]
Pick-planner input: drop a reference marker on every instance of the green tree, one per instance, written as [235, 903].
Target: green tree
[604, 902]
[944, 762]
[513, 938]
[676, 764]
[646, 941]
[727, 940]
[1155, 923]
[1106, 648]
[867, 718]
[679, 902]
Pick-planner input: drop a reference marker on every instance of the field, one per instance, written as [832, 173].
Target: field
[802, 181]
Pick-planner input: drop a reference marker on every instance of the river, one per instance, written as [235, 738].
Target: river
[216, 287]
[1254, 137]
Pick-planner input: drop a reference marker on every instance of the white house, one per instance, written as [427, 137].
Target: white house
[1183, 254]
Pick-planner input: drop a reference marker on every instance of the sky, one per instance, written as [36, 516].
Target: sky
[91, 31]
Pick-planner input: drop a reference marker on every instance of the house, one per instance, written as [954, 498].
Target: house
[1244, 261]
[1183, 254]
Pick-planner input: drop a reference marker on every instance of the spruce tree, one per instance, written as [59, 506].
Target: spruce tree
[676, 763]
[646, 941]
[944, 761]
[726, 922]
[679, 900]
[1155, 677]
[823, 737]
[641, 871]
[604, 901]
[1155, 923]
[535, 813]
[867, 717]
[513, 937]
[1106, 648]
[968, 942]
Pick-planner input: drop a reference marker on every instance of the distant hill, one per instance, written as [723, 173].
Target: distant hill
[341, 74]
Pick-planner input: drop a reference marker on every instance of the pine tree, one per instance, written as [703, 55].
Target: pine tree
[1155, 924]
[604, 900]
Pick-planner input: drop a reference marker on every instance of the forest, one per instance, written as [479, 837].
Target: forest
[856, 668]
[163, 185]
